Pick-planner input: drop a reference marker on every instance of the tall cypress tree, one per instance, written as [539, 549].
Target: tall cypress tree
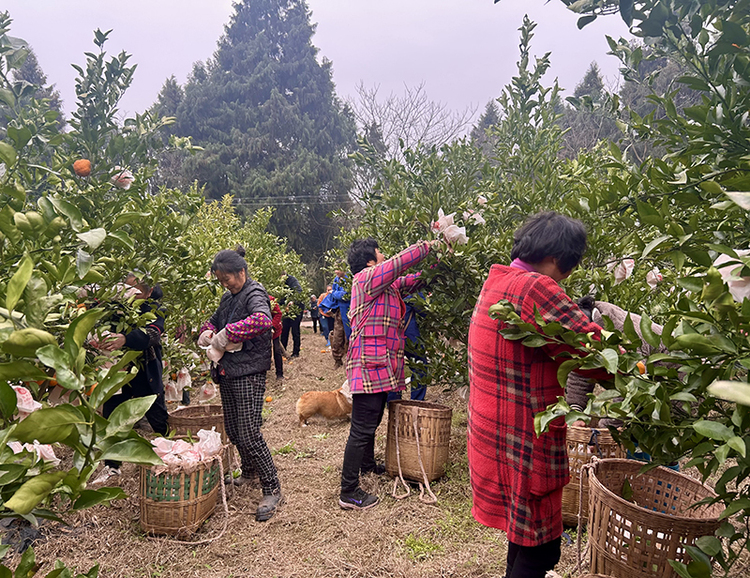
[273, 130]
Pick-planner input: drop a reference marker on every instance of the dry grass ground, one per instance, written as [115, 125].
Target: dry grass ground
[310, 536]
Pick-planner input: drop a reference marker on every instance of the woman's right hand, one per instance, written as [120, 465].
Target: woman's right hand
[205, 338]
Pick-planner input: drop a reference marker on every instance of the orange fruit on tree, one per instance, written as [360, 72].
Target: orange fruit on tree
[641, 367]
[82, 167]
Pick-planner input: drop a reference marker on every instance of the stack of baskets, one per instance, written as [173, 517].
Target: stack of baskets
[584, 443]
[636, 538]
[188, 421]
[431, 441]
[178, 503]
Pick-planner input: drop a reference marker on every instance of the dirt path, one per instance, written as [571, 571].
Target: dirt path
[311, 536]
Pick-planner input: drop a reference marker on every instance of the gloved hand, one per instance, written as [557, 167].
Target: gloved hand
[205, 338]
[221, 342]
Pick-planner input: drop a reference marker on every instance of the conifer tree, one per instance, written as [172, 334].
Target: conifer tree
[274, 132]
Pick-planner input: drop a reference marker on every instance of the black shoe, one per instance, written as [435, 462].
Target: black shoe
[357, 500]
[268, 505]
[294, 356]
[378, 469]
[337, 363]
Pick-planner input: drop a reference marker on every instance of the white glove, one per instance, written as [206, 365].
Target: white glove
[205, 338]
[220, 341]
[214, 354]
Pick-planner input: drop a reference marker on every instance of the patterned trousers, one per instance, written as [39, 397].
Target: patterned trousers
[242, 398]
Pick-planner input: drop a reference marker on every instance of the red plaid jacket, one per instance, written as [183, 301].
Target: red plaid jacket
[517, 477]
[375, 360]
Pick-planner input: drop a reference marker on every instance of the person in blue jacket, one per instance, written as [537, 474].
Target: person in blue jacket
[414, 350]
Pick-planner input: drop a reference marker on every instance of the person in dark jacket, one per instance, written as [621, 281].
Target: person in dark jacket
[148, 380]
[292, 317]
[314, 314]
[241, 330]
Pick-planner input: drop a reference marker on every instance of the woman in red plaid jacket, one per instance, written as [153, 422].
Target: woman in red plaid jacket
[516, 477]
[375, 360]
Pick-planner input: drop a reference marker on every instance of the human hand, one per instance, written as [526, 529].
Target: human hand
[205, 338]
[112, 342]
[579, 423]
[220, 341]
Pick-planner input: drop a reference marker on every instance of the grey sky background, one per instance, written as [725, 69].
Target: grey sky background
[464, 51]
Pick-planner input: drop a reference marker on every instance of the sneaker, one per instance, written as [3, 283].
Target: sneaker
[378, 469]
[268, 505]
[107, 475]
[357, 500]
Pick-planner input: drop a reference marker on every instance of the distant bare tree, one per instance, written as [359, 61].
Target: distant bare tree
[411, 118]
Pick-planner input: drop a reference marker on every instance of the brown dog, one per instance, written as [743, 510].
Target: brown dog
[329, 404]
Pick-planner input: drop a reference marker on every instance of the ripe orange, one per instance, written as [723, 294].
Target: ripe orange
[82, 167]
[641, 367]
[269, 399]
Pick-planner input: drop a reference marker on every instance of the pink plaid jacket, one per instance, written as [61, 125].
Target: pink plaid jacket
[375, 361]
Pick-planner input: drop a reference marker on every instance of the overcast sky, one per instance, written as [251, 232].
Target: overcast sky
[463, 50]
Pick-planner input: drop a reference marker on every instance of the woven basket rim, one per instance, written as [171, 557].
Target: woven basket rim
[626, 503]
[215, 407]
[421, 404]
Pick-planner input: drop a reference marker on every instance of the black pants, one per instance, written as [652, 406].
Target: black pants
[293, 325]
[156, 415]
[315, 325]
[532, 561]
[278, 360]
[367, 411]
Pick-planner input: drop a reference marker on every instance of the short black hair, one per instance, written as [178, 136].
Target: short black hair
[361, 252]
[550, 234]
[228, 261]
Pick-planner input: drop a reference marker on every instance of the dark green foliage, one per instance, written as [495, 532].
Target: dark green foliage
[273, 130]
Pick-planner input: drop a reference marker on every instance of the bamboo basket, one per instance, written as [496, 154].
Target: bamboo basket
[188, 421]
[578, 441]
[638, 538]
[434, 427]
[177, 504]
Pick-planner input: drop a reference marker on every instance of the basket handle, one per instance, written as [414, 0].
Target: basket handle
[396, 407]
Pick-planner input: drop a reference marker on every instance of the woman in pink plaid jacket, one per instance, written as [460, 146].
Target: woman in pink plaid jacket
[375, 362]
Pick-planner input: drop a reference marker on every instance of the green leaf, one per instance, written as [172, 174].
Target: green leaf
[26, 567]
[8, 400]
[70, 211]
[734, 507]
[126, 414]
[709, 544]
[652, 338]
[7, 154]
[124, 238]
[48, 425]
[627, 490]
[33, 491]
[653, 245]
[18, 282]
[736, 391]
[84, 261]
[740, 199]
[93, 238]
[135, 451]
[534, 341]
[610, 360]
[21, 371]
[91, 498]
[738, 445]
[564, 370]
[585, 20]
[82, 326]
[713, 430]
[693, 284]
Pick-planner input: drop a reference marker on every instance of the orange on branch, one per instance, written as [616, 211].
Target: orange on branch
[82, 167]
